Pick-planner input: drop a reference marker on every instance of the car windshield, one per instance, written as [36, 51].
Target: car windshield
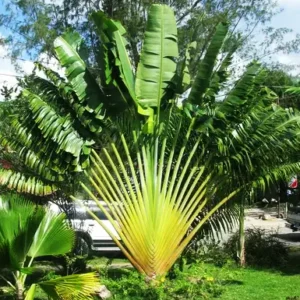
[81, 213]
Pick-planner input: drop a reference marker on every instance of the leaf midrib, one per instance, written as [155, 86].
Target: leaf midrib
[161, 59]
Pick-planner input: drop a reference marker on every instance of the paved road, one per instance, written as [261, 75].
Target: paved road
[274, 225]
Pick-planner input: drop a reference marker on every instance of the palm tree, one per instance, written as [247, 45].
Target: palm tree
[178, 163]
[165, 151]
[28, 231]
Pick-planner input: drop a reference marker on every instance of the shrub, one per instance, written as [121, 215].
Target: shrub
[202, 250]
[73, 264]
[262, 248]
[134, 286]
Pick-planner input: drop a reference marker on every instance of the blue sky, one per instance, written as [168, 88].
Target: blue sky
[290, 18]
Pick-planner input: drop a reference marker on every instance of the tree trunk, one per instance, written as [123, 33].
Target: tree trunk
[282, 195]
[19, 286]
[241, 246]
[19, 290]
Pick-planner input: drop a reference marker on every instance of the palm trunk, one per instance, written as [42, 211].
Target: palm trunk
[241, 246]
[19, 286]
[19, 290]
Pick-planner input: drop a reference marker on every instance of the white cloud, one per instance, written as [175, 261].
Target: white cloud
[290, 61]
[289, 3]
[56, 2]
[8, 73]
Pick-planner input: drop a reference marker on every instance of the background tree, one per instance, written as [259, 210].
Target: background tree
[32, 26]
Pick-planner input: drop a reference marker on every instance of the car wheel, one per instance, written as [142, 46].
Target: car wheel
[82, 247]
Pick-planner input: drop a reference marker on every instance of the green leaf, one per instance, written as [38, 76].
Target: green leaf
[53, 126]
[83, 83]
[28, 270]
[206, 66]
[31, 292]
[184, 77]
[72, 287]
[53, 237]
[19, 221]
[221, 74]
[241, 98]
[115, 32]
[25, 184]
[157, 64]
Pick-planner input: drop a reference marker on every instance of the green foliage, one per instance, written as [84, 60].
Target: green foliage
[207, 65]
[68, 50]
[262, 249]
[34, 33]
[133, 286]
[28, 231]
[157, 63]
[77, 286]
[163, 171]
[74, 264]
[209, 251]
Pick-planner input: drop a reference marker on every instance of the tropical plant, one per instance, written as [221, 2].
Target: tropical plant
[263, 248]
[163, 149]
[159, 176]
[27, 232]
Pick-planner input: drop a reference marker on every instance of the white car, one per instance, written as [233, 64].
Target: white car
[90, 235]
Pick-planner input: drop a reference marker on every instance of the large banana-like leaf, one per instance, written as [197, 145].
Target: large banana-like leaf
[52, 237]
[25, 184]
[221, 74]
[36, 164]
[59, 91]
[114, 33]
[240, 95]
[183, 70]
[58, 129]
[157, 64]
[207, 65]
[85, 86]
[72, 287]
[23, 156]
[28, 135]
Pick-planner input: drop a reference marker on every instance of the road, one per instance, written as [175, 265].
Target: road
[273, 225]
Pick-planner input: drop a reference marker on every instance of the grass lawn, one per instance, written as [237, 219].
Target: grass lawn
[266, 284]
[251, 284]
[254, 284]
[258, 285]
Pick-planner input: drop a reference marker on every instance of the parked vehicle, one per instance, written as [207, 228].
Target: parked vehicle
[90, 234]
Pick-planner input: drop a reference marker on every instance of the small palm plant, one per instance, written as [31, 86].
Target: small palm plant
[28, 231]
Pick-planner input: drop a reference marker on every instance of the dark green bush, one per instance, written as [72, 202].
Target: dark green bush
[209, 251]
[262, 248]
[73, 264]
